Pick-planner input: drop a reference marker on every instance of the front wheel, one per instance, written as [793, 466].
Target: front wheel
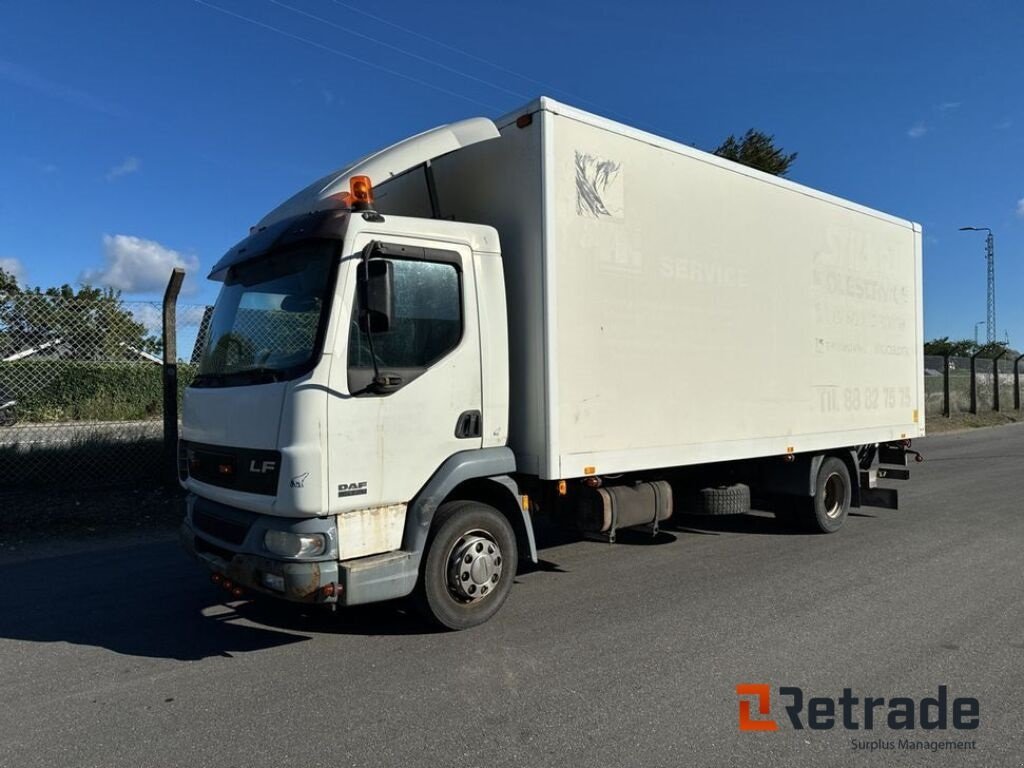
[468, 567]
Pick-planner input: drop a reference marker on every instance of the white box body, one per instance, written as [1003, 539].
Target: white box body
[668, 307]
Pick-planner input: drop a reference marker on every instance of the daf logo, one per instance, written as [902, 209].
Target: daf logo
[352, 489]
[262, 467]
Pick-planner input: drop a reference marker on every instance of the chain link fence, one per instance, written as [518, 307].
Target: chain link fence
[81, 394]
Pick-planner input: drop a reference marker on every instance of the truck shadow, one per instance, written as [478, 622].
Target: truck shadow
[150, 600]
[379, 619]
[142, 600]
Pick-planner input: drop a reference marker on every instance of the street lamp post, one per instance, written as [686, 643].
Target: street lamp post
[979, 323]
[990, 257]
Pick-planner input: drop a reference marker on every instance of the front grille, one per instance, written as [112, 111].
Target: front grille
[212, 468]
[244, 469]
[225, 530]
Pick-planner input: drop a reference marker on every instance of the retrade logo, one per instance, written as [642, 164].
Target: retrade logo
[762, 695]
[854, 712]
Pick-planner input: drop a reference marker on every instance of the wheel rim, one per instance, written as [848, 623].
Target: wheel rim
[835, 495]
[474, 566]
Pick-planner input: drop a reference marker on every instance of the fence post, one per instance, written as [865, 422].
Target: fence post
[1016, 382]
[170, 377]
[995, 380]
[974, 382]
[946, 410]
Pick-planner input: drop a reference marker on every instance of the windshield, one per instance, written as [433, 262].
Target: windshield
[266, 323]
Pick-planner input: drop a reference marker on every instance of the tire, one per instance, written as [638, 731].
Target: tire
[724, 500]
[459, 591]
[8, 417]
[827, 510]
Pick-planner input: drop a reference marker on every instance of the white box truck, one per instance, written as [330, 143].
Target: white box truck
[552, 317]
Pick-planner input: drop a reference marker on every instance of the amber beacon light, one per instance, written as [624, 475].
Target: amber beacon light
[360, 193]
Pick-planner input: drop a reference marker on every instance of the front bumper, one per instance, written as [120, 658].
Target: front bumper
[229, 542]
[302, 582]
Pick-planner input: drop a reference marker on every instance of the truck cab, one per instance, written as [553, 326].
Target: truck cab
[353, 381]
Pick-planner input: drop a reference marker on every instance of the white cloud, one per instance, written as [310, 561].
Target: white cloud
[1002, 125]
[946, 106]
[136, 265]
[917, 130]
[13, 267]
[127, 166]
[1020, 207]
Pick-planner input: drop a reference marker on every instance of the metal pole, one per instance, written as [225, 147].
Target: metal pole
[1016, 382]
[946, 410]
[990, 257]
[170, 376]
[995, 380]
[974, 382]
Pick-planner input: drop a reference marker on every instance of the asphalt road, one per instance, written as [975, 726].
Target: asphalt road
[624, 655]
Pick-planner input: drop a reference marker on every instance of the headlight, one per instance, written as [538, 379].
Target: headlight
[295, 544]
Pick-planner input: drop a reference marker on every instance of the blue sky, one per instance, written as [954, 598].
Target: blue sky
[134, 135]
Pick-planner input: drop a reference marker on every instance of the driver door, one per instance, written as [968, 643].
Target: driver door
[384, 446]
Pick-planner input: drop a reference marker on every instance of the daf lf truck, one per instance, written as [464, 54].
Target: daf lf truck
[548, 317]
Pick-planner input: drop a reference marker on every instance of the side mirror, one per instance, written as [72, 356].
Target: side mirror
[377, 285]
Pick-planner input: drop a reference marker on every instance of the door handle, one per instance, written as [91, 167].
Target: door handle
[469, 424]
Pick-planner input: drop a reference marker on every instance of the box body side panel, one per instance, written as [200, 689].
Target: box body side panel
[707, 315]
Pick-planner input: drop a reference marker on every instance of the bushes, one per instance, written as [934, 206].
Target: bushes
[70, 390]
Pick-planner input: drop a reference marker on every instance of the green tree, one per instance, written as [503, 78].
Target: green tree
[8, 283]
[757, 150]
[966, 348]
[85, 324]
[945, 346]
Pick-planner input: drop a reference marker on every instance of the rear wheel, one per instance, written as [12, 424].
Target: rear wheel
[468, 567]
[827, 510]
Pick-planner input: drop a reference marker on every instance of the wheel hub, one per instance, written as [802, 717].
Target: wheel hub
[474, 566]
[835, 492]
